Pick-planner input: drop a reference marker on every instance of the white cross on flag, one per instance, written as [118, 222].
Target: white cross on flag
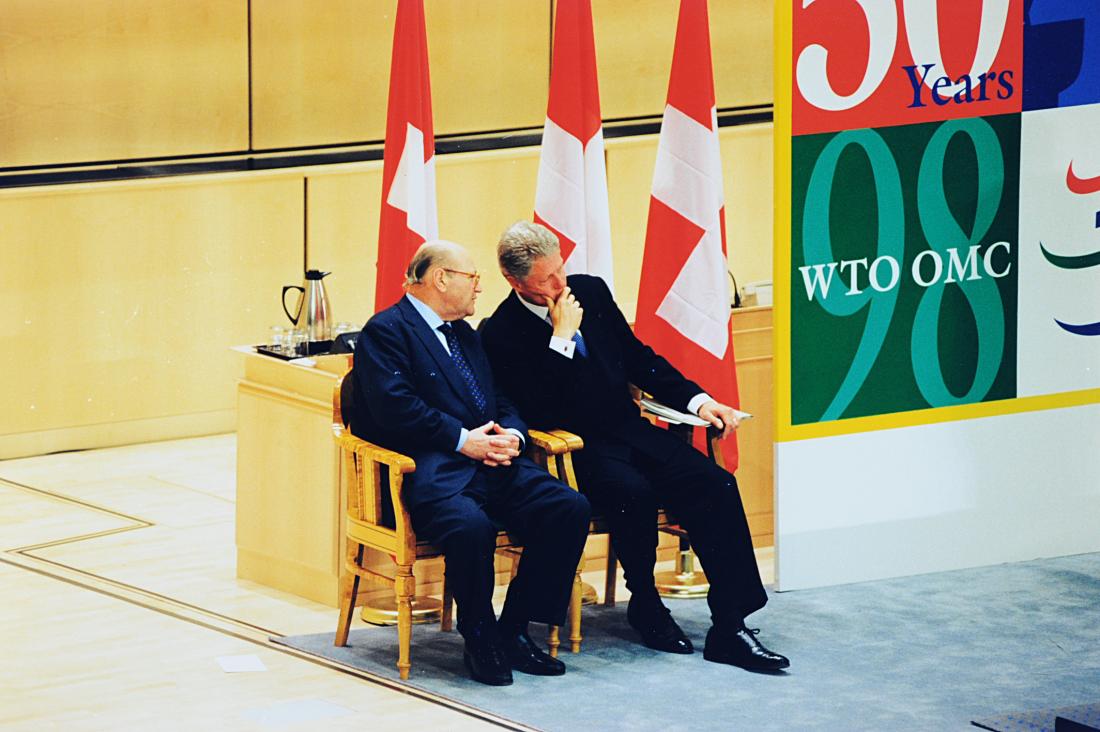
[408, 216]
[571, 195]
[683, 298]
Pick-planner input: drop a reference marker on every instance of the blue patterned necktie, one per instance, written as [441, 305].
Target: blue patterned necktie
[581, 348]
[577, 338]
[464, 366]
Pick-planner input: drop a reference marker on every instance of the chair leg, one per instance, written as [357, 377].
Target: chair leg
[349, 589]
[446, 620]
[555, 640]
[610, 576]
[575, 636]
[516, 554]
[404, 587]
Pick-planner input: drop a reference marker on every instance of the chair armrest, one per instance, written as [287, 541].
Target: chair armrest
[369, 451]
[364, 463]
[555, 442]
[554, 450]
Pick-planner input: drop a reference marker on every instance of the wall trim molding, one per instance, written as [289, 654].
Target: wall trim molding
[311, 156]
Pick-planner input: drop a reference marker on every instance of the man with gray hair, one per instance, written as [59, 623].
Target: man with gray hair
[422, 386]
[565, 373]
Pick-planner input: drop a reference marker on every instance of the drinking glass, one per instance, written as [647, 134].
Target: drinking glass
[278, 338]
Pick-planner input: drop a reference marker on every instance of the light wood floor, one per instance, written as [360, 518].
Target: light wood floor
[119, 595]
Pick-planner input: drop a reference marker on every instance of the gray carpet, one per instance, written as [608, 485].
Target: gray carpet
[931, 652]
[1087, 717]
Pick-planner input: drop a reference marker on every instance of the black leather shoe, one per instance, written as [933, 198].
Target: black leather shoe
[658, 630]
[486, 661]
[739, 647]
[528, 658]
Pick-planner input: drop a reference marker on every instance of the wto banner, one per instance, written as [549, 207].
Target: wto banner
[937, 285]
[944, 204]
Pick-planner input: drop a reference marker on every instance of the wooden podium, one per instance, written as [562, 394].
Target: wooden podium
[752, 344]
[290, 514]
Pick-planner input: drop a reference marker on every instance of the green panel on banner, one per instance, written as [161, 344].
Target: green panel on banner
[904, 267]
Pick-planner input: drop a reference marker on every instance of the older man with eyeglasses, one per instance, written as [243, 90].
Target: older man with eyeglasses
[423, 386]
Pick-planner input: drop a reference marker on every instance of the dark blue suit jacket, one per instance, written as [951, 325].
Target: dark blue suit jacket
[410, 397]
[586, 395]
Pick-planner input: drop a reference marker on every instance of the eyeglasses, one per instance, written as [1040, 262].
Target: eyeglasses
[475, 276]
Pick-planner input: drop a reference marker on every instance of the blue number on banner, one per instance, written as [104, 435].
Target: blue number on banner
[943, 232]
[817, 248]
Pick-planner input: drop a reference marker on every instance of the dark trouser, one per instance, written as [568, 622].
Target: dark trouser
[627, 479]
[546, 517]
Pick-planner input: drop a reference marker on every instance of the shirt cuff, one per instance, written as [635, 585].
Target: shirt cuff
[562, 346]
[465, 433]
[697, 401]
[517, 433]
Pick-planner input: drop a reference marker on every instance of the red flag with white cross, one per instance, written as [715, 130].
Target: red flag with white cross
[571, 196]
[408, 216]
[683, 298]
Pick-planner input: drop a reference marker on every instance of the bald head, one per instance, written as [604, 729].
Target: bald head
[431, 254]
[442, 275]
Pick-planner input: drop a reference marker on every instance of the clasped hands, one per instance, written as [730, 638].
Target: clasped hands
[491, 444]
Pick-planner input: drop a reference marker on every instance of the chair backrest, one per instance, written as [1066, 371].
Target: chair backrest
[366, 482]
[342, 399]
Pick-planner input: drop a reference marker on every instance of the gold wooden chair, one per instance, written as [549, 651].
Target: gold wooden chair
[363, 465]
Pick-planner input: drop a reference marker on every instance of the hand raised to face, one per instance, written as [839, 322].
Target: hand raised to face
[565, 314]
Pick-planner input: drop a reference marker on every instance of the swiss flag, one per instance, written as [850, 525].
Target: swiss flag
[683, 298]
[571, 196]
[408, 216]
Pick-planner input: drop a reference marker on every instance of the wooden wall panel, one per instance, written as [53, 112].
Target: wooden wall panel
[747, 181]
[343, 236]
[629, 179]
[741, 41]
[634, 42]
[321, 70]
[490, 63]
[87, 81]
[121, 300]
[479, 195]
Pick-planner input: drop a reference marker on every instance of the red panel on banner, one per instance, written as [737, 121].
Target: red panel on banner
[880, 63]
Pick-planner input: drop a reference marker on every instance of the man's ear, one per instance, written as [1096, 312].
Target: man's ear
[439, 279]
[511, 280]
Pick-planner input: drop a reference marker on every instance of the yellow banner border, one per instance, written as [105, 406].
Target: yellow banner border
[781, 245]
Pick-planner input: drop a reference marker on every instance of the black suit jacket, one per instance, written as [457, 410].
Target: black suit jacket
[409, 396]
[586, 395]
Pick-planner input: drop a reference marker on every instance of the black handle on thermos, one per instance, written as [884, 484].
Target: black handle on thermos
[293, 318]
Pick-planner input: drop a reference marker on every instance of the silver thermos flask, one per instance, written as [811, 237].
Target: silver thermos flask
[312, 314]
